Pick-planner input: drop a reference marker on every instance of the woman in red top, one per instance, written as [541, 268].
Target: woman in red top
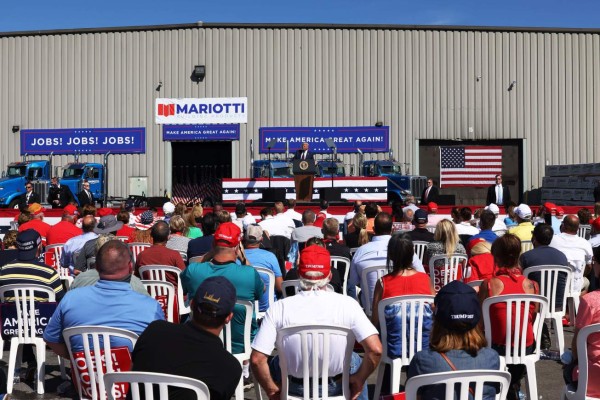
[509, 279]
[401, 279]
[481, 263]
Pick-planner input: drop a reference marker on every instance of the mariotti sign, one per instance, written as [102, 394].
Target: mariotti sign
[228, 110]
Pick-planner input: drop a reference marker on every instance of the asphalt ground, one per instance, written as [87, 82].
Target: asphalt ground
[549, 378]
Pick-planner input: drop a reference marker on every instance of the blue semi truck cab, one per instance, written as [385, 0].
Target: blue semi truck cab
[399, 186]
[327, 168]
[39, 173]
[279, 169]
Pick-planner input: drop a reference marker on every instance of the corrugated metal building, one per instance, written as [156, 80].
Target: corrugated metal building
[431, 85]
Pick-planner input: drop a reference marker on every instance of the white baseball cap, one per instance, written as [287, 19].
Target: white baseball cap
[523, 211]
[493, 208]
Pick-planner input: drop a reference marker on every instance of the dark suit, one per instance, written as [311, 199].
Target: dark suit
[62, 194]
[24, 202]
[597, 194]
[491, 196]
[434, 195]
[298, 155]
[84, 199]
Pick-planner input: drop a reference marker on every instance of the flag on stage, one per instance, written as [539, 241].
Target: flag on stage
[462, 166]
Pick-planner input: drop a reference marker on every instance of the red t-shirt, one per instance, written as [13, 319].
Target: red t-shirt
[62, 232]
[482, 267]
[37, 225]
[126, 230]
[160, 255]
[498, 312]
[401, 285]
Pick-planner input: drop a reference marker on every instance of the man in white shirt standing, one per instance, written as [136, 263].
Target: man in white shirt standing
[577, 250]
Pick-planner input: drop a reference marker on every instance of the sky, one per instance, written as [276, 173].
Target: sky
[33, 15]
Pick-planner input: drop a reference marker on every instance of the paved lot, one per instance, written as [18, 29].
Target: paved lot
[549, 378]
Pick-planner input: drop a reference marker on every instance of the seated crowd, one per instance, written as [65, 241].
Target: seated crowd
[346, 269]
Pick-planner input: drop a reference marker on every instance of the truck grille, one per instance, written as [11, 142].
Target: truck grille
[417, 185]
[41, 188]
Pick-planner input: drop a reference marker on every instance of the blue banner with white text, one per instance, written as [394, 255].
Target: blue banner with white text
[84, 141]
[369, 139]
[201, 132]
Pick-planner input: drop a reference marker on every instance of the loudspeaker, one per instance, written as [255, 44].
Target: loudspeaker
[157, 201]
[330, 194]
[273, 194]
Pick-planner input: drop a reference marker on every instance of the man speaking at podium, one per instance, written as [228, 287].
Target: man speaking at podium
[304, 153]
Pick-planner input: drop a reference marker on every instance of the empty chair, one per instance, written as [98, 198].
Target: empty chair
[28, 325]
[413, 312]
[420, 248]
[580, 393]
[159, 273]
[449, 269]
[269, 290]
[151, 381]
[516, 333]
[88, 368]
[137, 248]
[314, 343]
[470, 382]
[164, 293]
[367, 276]
[555, 292]
[342, 264]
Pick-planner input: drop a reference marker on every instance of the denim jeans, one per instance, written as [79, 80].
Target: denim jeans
[335, 387]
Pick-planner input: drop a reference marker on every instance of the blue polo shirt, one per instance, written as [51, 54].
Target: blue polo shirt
[265, 259]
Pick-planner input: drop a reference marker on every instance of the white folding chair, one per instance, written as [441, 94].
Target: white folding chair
[245, 355]
[123, 239]
[337, 262]
[23, 295]
[270, 290]
[52, 258]
[475, 284]
[367, 289]
[159, 273]
[584, 231]
[548, 281]
[353, 250]
[294, 284]
[314, 344]
[569, 392]
[90, 367]
[526, 245]
[136, 248]
[441, 275]
[574, 292]
[515, 335]
[195, 259]
[150, 380]
[183, 255]
[431, 228]
[411, 310]
[420, 248]
[164, 293]
[463, 379]
[500, 232]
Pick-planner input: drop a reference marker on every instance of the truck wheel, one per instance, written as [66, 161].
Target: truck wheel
[14, 204]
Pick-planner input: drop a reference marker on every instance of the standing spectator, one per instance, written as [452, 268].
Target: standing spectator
[430, 194]
[315, 305]
[177, 240]
[202, 245]
[59, 195]
[159, 254]
[36, 211]
[65, 229]
[498, 194]
[85, 196]
[524, 229]
[577, 250]
[258, 257]
[420, 233]
[29, 197]
[194, 349]
[75, 244]
[110, 302]
[456, 341]
[509, 279]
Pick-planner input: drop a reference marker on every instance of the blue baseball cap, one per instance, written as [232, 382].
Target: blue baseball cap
[216, 297]
[457, 307]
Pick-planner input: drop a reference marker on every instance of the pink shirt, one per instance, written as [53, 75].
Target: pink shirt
[587, 314]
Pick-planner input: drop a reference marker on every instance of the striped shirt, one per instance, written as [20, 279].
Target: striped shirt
[31, 272]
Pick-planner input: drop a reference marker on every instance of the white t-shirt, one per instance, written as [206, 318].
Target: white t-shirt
[290, 212]
[578, 252]
[275, 227]
[465, 228]
[315, 307]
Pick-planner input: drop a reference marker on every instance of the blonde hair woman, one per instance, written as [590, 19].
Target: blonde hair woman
[445, 243]
[360, 235]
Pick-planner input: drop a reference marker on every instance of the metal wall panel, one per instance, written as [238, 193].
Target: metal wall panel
[432, 84]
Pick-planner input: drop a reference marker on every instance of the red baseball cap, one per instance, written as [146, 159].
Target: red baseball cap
[70, 209]
[314, 259]
[227, 235]
[550, 207]
[103, 212]
[431, 206]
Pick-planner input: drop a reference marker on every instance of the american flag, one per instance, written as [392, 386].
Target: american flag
[462, 166]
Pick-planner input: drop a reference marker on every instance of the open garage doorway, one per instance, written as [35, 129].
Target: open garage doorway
[198, 168]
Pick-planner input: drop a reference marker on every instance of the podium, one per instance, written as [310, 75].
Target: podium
[304, 175]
